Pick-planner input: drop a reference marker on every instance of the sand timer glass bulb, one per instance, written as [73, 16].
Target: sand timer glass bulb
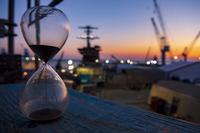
[45, 95]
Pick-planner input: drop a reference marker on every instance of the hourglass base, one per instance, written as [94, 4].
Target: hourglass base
[45, 114]
[45, 95]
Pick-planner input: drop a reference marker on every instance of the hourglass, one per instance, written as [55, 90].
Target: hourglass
[45, 95]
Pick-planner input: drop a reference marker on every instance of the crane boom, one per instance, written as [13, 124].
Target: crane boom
[187, 50]
[115, 58]
[147, 54]
[157, 32]
[164, 41]
[162, 24]
[193, 43]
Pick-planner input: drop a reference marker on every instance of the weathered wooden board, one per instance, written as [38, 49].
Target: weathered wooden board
[87, 114]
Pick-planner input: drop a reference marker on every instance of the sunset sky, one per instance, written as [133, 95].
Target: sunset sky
[125, 29]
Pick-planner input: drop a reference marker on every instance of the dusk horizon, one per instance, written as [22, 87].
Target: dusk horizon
[125, 29]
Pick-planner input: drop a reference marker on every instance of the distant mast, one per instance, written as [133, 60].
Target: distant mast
[90, 54]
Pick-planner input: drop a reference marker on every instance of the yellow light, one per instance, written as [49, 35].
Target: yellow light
[71, 67]
[175, 57]
[63, 70]
[25, 74]
[97, 61]
[83, 70]
[75, 75]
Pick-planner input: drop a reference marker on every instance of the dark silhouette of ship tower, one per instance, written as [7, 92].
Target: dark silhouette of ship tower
[90, 54]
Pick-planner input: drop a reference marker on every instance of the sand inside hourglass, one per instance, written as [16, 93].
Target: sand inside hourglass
[45, 114]
[44, 106]
[45, 52]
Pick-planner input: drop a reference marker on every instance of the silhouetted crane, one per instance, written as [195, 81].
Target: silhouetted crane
[161, 41]
[157, 32]
[117, 61]
[188, 50]
[147, 54]
[164, 43]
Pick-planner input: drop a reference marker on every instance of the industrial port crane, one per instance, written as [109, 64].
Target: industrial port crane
[157, 32]
[147, 54]
[116, 59]
[163, 40]
[188, 50]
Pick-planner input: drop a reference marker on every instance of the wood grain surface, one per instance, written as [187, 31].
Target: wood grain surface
[87, 114]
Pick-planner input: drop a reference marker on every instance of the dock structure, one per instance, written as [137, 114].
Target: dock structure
[87, 114]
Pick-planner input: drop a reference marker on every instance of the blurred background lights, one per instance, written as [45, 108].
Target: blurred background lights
[107, 61]
[69, 62]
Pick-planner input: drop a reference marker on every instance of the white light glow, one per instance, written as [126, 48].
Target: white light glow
[70, 62]
[107, 61]
[27, 58]
[148, 62]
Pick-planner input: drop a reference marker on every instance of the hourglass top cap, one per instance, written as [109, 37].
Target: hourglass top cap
[44, 25]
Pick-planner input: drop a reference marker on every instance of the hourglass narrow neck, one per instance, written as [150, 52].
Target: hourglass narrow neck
[45, 66]
[44, 71]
